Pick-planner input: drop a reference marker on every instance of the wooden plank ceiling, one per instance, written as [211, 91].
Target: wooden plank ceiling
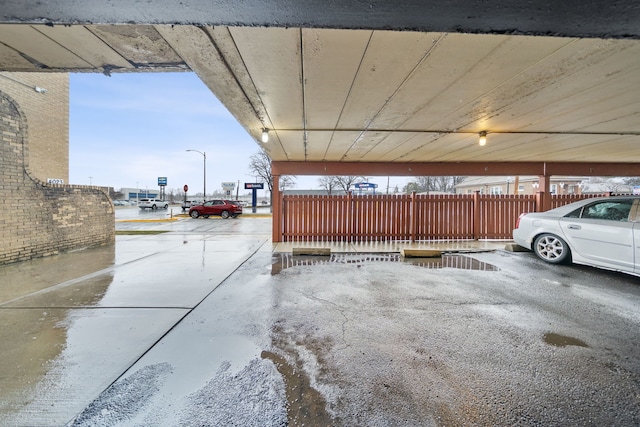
[335, 95]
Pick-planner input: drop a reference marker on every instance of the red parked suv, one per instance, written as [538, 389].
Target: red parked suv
[224, 208]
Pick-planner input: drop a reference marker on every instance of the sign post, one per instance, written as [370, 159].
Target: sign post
[162, 183]
[254, 186]
[228, 187]
[184, 202]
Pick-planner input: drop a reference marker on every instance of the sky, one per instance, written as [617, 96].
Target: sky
[129, 129]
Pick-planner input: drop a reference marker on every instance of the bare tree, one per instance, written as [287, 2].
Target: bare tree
[260, 166]
[287, 181]
[115, 195]
[632, 181]
[614, 185]
[328, 183]
[345, 182]
[425, 184]
[412, 187]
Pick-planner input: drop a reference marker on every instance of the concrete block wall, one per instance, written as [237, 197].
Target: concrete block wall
[39, 219]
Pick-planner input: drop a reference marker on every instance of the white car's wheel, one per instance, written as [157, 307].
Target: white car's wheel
[154, 207]
[165, 206]
[552, 249]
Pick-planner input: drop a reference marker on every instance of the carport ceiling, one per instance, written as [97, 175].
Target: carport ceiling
[340, 95]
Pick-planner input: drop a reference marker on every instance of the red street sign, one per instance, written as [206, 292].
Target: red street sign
[186, 188]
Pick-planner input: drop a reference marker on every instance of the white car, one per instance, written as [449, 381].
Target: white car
[600, 232]
[152, 204]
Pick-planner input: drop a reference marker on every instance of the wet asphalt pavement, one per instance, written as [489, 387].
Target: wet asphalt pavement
[210, 325]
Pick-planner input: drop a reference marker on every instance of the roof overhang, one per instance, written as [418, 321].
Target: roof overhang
[401, 83]
[567, 18]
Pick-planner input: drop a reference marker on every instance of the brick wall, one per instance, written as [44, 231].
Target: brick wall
[48, 119]
[38, 219]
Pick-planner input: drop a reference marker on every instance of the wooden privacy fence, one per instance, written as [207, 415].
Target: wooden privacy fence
[353, 218]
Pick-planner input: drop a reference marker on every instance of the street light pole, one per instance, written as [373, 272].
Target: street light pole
[204, 155]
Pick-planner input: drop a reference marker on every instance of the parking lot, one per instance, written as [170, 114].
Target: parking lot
[209, 323]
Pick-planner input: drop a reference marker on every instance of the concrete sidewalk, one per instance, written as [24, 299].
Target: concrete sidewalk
[72, 324]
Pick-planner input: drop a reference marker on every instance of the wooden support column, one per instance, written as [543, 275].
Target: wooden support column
[545, 196]
[351, 217]
[413, 225]
[276, 211]
[539, 201]
[476, 215]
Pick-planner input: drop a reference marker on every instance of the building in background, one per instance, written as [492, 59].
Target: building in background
[133, 194]
[528, 184]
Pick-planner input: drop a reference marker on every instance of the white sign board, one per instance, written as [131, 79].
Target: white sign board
[228, 186]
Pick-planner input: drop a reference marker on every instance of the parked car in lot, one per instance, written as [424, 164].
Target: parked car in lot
[188, 203]
[600, 232]
[223, 208]
[152, 204]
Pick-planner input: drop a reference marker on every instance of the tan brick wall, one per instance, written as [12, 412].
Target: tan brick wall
[37, 219]
[47, 116]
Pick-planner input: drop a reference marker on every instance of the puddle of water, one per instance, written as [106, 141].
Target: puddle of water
[558, 340]
[282, 261]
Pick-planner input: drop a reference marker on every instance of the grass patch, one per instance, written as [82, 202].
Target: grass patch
[137, 232]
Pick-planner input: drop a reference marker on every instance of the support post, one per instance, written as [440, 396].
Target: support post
[476, 215]
[545, 204]
[539, 197]
[352, 217]
[414, 219]
[276, 208]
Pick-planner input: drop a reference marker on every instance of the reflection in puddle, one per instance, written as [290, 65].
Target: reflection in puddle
[562, 341]
[28, 277]
[280, 261]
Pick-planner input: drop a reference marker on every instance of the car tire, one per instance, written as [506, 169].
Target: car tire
[194, 214]
[224, 214]
[154, 207]
[552, 249]
[166, 206]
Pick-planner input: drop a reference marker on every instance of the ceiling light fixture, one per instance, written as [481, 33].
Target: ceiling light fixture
[483, 138]
[265, 135]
